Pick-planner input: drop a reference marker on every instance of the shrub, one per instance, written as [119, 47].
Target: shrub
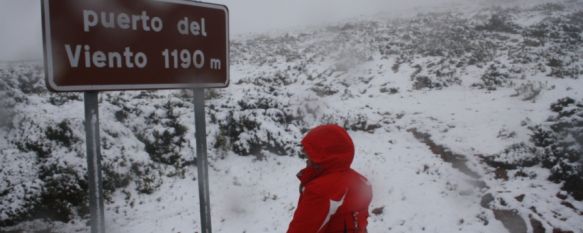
[62, 133]
[148, 177]
[165, 140]
[421, 82]
[251, 132]
[516, 156]
[529, 91]
[62, 98]
[65, 193]
[556, 144]
[494, 77]
[499, 22]
[559, 141]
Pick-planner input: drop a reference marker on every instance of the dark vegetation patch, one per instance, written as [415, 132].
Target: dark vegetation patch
[559, 143]
[556, 144]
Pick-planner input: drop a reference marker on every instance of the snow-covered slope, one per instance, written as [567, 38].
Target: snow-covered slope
[442, 108]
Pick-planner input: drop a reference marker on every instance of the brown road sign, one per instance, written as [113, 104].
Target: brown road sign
[99, 45]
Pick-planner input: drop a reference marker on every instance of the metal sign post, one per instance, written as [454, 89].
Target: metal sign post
[202, 160]
[94, 162]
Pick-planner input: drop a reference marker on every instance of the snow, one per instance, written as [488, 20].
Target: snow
[417, 189]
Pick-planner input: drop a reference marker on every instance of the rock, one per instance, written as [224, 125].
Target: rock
[378, 211]
[537, 226]
[561, 195]
[511, 220]
[559, 230]
[501, 174]
[487, 200]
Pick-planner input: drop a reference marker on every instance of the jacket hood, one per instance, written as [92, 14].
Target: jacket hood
[330, 147]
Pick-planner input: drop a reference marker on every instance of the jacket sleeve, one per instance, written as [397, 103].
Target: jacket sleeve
[311, 214]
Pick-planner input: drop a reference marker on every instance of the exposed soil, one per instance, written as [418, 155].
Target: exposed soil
[26, 231]
[456, 160]
[378, 211]
[537, 226]
[511, 219]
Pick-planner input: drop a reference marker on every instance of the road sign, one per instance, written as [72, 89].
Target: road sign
[105, 45]
[100, 45]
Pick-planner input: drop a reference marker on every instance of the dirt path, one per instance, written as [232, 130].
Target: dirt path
[511, 219]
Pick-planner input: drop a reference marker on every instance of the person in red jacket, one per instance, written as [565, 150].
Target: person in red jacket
[333, 197]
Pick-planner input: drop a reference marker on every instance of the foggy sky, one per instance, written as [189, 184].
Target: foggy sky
[21, 31]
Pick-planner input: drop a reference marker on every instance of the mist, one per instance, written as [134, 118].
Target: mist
[21, 31]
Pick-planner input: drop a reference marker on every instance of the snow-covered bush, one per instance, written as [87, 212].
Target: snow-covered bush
[150, 177]
[42, 151]
[560, 144]
[421, 82]
[353, 121]
[500, 21]
[529, 91]
[323, 90]
[550, 7]
[556, 144]
[258, 123]
[515, 156]
[494, 77]
[57, 186]
[439, 35]
[164, 139]
[562, 39]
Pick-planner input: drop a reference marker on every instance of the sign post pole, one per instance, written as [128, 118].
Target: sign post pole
[202, 160]
[94, 162]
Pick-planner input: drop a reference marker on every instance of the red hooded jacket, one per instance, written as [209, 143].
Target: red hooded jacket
[334, 198]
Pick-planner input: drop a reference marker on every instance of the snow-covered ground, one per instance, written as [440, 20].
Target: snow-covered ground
[425, 121]
[418, 190]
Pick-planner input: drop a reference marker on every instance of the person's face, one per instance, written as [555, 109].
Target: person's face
[308, 161]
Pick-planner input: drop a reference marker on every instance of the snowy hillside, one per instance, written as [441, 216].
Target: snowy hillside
[463, 121]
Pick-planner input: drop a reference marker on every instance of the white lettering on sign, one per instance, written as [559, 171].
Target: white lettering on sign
[81, 56]
[215, 64]
[185, 59]
[195, 28]
[142, 21]
[100, 59]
